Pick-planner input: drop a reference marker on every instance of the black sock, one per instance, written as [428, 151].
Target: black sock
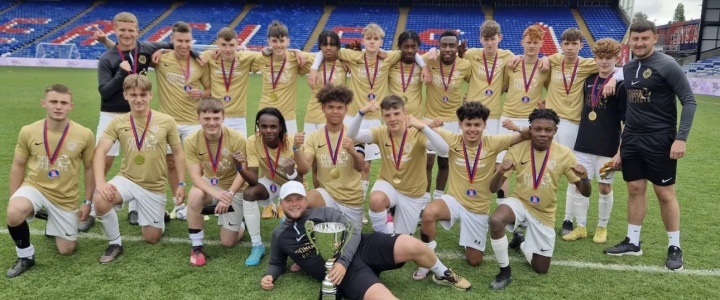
[424, 238]
[20, 235]
[193, 231]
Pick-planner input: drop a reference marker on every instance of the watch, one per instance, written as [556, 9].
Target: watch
[87, 202]
[181, 183]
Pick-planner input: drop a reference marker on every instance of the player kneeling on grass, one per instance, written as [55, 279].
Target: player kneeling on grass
[356, 272]
[215, 181]
[144, 135]
[52, 149]
[539, 164]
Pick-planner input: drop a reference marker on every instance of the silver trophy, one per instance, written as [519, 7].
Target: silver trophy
[329, 239]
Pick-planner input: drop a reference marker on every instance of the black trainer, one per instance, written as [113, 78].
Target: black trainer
[502, 279]
[626, 248]
[517, 239]
[133, 218]
[167, 217]
[501, 194]
[21, 265]
[674, 260]
[567, 227]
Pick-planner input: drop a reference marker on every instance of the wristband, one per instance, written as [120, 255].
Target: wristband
[295, 149]
[231, 192]
[87, 202]
[294, 174]
[239, 168]
[585, 179]
[362, 114]
[181, 183]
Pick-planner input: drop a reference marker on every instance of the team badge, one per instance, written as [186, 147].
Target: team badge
[471, 192]
[446, 99]
[273, 188]
[535, 199]
[227, 98]
[489, 92]
[371, 96]
[54, 173]
[647, 73]
[526, 99]
[187, 88]
[72, 146]
[142, 59]
[214, 181]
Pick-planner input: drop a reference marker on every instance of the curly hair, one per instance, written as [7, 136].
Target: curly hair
[607, 48]
[535, 32]
[544, 114]
[338, 93]
[472, 110]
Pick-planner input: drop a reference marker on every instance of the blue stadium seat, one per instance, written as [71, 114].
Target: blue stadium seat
[604, 21]
[300, 19]
[352, 18]
[430, 22]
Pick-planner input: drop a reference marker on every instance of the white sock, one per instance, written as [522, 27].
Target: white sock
[432, 245]
[27, 252]
[132, 206]
[500, 247]
[197, 238]
[438, 194]
[581, 208]
[111, 227]
[92, 210]
[251, 213]
[439, 269]
[365, 185]
[674, 238]
[378, 220]
[604, 209]
[634, 234]
[390, 228]
[427, 198]
[569, 202]
[528, 254]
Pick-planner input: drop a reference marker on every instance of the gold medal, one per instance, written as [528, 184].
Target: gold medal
[592, 116]
[139, 159]
[335, 173]
[274, 96]
[404, 98]
[396, 179]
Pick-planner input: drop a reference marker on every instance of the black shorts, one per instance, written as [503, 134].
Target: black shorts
[648, 157]
[374, 255]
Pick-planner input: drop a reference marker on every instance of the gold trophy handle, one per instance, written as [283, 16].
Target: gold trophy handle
[349, 230]
[309, 231]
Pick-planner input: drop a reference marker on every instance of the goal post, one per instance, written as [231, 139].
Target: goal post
[56, 50]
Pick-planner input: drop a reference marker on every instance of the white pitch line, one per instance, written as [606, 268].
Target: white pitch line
[445, 255]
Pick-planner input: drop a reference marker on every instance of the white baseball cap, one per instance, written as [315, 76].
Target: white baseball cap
[292, 187]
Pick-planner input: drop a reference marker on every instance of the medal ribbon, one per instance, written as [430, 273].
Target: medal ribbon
[54, 155]
[274, 79]
[139, 142]
[186, 74]
[528, 82]
[367, 71]
[537, 178]
[442, 76]
[398, 158]
[490, 76]
[572, 80]
[327, 79]
[402, 76]
[214, 160]
[595, 95]
[135, 63]
[272, 166]
[471, 173]
[334, 151]
[227, 79]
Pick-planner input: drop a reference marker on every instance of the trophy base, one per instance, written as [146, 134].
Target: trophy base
[329, 296]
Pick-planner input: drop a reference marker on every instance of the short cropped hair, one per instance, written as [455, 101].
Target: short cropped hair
[181, 27]
[544, 113]
[373, 29]
[277, 30]
[137, 81]
[642, 26]
[571, 35]
[489, 29]
[535, 32]
[58, 88]
[472, 110]
[607, 48]
[125, 17]
[330, 93]
[391, 102]
[226, 34]
[210, 105]
[449, 33]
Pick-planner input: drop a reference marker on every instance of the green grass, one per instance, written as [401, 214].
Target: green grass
[162, 271]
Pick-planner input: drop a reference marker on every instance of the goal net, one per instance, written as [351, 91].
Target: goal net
[54, 50]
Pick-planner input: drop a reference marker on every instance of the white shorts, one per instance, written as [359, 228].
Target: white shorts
[407, 209]
[230, 220]
[473, 227]
[539, 239]
[491, 126]
[354, 214]
[267, 183]
[185, 131]
[521, 122]
[103, 122]
[312, 127]
[239, 124]
[292, 127]
[150, 205]
[567, 133]
[60, 223]
[372, 151]
[592, 164]
[452, 126]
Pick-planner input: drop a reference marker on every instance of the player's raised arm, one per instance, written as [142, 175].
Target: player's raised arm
[435, 141]
[303, 160]
[501, 175]
[354, 132]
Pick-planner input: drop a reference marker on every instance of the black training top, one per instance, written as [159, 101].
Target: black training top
[602, 135]
[290, 240]
[652, 84]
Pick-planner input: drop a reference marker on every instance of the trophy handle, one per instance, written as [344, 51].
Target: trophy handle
[309, 231]
[349, 230]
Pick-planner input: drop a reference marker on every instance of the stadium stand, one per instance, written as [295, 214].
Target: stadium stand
[603, 21]
[430, 22]
[705, 68]
[30, 20]
[349, 21]
[204, 19]
[299, 18]
[513, 21]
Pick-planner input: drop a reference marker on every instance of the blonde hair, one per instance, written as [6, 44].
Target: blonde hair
[125, 17]
[137, 81]
[607, 48]
[489, 29]
[373, 29]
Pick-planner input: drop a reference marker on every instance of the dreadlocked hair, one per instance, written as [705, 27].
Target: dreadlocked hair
[276, 113]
